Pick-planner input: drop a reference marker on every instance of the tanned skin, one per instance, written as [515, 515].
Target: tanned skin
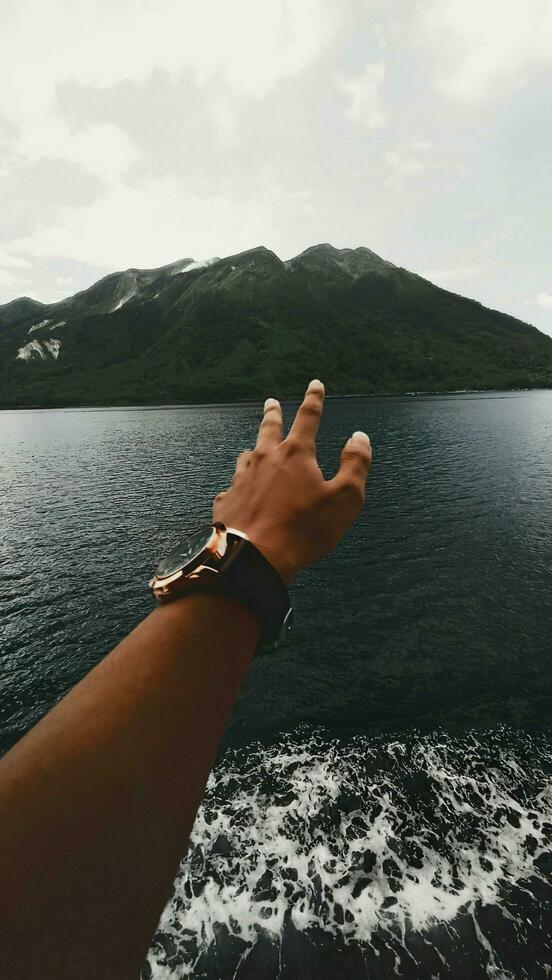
[98, 800]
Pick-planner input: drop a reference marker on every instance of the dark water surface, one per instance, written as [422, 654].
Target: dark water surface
[383, 805]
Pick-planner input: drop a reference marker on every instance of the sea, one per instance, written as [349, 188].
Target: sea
[381, 805]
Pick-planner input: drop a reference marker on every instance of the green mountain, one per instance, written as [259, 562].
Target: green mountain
[250, 325]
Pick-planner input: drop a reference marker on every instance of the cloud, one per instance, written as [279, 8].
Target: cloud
[11, 285]
[158, 221]
[364, 91]
[400, 165]
[453, 274]
[544, 300]
[64, 280]
[13, 261]
[247, 46]
[104, 150]
[7, 278]
[422, 146]
[485, 49]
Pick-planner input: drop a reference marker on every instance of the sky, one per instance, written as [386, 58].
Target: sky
[137, 132]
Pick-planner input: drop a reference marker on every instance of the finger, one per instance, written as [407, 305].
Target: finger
[309, 413]
[271, 427]
[243, 461]
[356, 459]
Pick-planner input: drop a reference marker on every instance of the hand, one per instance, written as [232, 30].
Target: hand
[279, 496]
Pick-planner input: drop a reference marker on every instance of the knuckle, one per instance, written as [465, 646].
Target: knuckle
[311, 408]
[292, 445]
[220, 496]
[364, 455]
[352, 491]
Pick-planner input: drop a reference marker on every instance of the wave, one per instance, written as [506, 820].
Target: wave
[424, 852]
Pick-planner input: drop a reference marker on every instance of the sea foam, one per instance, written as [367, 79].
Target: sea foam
[370, 841]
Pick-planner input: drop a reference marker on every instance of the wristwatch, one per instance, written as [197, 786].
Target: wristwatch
[220, 559]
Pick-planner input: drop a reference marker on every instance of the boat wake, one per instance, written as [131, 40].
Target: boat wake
[425, 855]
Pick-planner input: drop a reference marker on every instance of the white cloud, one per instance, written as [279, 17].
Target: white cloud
[104, 150]
[364, 91]
[64, 280]
[7, 278]
[225, 119]
[544, 300]
[488, 48]
[11, 285]
[453, 274]
[158, 221]
[422, 146]
[400, 166]
[246, 45]
[13, 261]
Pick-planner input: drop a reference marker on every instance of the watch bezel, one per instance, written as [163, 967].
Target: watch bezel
[214, 548]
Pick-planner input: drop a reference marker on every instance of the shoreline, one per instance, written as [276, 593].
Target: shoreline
[152, 406]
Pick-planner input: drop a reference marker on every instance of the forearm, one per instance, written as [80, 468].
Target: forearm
[131, 747]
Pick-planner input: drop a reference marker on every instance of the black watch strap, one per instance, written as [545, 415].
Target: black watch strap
[249, 576]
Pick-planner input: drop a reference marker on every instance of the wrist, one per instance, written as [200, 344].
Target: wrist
[286, 568]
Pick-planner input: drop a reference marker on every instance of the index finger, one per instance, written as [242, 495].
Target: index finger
[306, 422]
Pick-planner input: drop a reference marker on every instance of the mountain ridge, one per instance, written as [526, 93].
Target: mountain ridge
[249, 323]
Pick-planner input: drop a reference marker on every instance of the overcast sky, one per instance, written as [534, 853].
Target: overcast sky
[138, 132]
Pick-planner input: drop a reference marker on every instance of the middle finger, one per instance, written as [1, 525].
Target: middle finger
[306, 422]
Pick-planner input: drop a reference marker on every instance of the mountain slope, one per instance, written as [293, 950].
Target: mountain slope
[249, 324]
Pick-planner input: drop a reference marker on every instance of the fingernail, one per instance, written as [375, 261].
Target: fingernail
[361, 435]
[315, 383]
[270, 403]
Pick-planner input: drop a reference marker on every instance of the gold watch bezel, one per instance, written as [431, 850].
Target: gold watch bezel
[167, 587]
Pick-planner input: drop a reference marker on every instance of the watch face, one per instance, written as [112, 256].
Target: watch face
[184, 553]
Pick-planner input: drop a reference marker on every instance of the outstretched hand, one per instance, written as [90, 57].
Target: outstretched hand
[279, 497]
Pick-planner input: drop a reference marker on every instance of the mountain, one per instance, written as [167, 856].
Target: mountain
[250, 325]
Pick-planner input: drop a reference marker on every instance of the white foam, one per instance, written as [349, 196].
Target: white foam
[333, 836]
